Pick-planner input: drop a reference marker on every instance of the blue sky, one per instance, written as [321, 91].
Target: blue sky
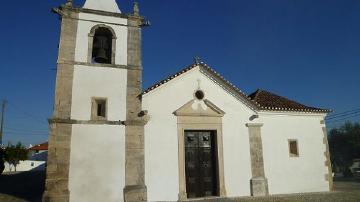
[306, 50]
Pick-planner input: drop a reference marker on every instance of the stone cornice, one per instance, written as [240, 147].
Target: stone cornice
[100, 65]
[68, 12]
[63, 9]
[86, 122]
[141, 122]
[254, 125]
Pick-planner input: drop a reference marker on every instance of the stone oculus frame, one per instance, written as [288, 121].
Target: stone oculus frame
[209, 119]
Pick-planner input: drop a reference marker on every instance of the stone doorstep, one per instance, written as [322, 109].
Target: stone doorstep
[253, 198]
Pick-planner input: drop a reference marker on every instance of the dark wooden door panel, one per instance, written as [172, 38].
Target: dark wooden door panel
[200, 164]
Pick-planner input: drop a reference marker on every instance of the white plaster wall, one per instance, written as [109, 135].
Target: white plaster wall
[103, 5]
[27, 165]
[97, 163]
[285, 174]
[104, 82]
[88, 21]
[161, 141]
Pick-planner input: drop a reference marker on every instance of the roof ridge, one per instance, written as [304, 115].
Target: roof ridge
[227, 84]
[245, 97]
[169, 78]
[257, 92]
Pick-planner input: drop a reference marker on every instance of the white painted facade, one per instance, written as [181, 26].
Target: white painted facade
[97, 163]
[97, 158]
[88, 21]
[285, 174]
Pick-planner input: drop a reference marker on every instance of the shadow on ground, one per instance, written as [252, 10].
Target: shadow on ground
[29, 186]
[25, 185]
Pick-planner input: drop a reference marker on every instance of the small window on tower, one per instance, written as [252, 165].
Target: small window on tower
[293, 148]
[99, 108]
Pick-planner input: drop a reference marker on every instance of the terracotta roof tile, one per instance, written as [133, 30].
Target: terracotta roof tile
[272, 102]
[42, 146]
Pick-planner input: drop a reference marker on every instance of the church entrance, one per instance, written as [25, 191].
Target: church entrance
[201, 164]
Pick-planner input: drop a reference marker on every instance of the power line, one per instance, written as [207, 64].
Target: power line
[341, 113]
[24, 130]
[22, 134]
[346, 118]
[29, 115]
[344, 115]
[18, 125]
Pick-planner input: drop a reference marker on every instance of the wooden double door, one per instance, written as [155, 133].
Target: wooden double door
[201, 164]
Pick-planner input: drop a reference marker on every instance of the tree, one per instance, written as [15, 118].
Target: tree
[15, 153]
[344, 145]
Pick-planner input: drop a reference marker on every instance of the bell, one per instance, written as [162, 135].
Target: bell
[101, 49]
[101, 57]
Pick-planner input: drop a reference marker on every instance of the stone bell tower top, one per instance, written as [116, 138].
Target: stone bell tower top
[102, 5]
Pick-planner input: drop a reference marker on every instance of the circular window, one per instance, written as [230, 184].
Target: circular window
[199, 94]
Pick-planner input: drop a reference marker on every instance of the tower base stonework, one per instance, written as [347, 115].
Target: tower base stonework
[135, 188]
[259, 186]
[57, 170]
[56, 197]
[135, 193]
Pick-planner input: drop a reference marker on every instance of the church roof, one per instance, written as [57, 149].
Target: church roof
[260, 100]
[273, 102]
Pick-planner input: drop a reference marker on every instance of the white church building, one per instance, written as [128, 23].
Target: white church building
[192, 135]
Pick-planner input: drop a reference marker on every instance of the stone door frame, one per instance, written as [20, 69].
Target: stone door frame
[206, 123]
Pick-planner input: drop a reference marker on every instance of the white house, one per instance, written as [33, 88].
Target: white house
[192, 135]
[36, 161]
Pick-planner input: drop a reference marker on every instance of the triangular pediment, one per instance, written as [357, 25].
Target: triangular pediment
[199, 108]
[214, 76]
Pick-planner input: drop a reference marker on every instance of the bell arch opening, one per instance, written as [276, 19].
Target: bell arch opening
[102, 41]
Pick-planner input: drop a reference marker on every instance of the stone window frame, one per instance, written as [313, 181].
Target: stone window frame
[297, 148]
[94, 101]
[186, 123]
[91, 41]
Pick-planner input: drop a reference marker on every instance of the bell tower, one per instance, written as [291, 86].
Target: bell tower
[96, 140]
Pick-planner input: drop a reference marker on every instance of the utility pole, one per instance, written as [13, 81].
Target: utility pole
[2, 121]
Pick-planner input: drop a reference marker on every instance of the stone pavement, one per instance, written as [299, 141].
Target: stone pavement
[28, 187]
[316, 197]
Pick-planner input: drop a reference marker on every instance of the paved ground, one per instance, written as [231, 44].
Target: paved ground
[28, 187]
[22, 187]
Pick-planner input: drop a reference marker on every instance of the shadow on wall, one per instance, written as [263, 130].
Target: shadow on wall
[25, 185]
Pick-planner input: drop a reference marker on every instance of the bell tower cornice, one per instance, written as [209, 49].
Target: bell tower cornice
[67, 10]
